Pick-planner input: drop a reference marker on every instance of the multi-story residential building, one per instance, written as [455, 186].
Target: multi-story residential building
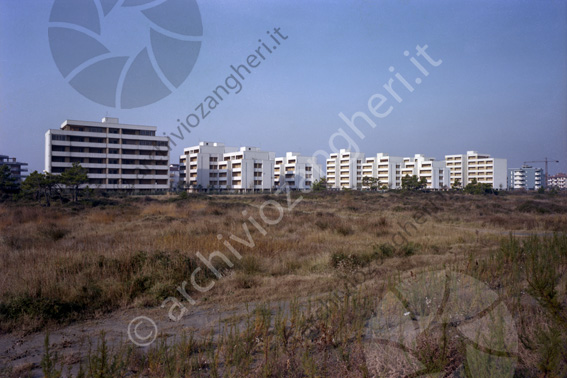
[298, 172]
[369, 169]
[385, 168]
[487, 170]
[17, 168]
[527, 177]
[457, 165]
[482, 167]
[117, 156]
[435, 172]
[199, 165]
[344, 170]
[389, 170]
[248, 169]
[558, 181]
[214, 166]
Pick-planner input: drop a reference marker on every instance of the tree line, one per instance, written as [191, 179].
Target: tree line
[44, 187]
[413, 183]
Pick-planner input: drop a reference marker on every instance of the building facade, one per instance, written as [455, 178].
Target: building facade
[214, 166]
[17, 169]
[527, 178]
[385, 168]
[435, 172]
[481, 167]
[116, 156]
[247, 170]
[389, 170]
[558, 181]
[344, 170]
[296, 171]
[457, 165]
[199, 165]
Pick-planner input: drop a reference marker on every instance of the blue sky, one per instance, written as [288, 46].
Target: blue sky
[501, 89]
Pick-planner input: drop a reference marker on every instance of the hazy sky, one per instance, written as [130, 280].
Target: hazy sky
[501, 87]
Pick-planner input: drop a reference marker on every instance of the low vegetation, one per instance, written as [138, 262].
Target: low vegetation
[330, 258]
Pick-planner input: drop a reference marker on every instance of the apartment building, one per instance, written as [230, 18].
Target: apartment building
[199, 165]
[116, 156]
[248, 169]
[17, 168]
[435, 172]
[527, 177]
[214, 166]
[487, 170]
[558, 181]
[385, 168]
[344, 170]
[482, 167]
[389, 170]
[298, 172]
[457, 165]
[369, 169]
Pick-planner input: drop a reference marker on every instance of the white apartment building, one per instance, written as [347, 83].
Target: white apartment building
[248, 169]
[117, 156]
[298, 172]
[369, 169]
[199, 165]
[457, 165]
[214, 166]
[385, 168]
[487, 170]
[482, 167]
[435, 172]
[558, 181]
[389, 170]
[344, 170]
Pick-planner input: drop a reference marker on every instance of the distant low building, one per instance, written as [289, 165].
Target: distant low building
[174, 177]
[558, 181]
[527, 178]
[117, 156]
[17, 168]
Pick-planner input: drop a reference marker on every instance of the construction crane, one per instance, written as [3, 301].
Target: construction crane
[545, 160]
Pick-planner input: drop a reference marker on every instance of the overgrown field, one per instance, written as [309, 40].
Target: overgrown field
[340, 253]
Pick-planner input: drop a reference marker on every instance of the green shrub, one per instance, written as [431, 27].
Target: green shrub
[385, 250]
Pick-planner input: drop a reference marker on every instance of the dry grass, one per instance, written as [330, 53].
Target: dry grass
[66, 263]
